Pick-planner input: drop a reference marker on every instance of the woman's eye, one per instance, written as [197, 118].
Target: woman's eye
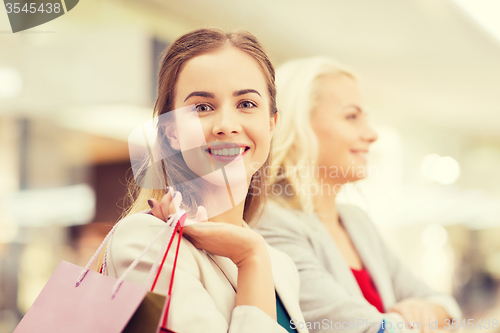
[247, 104]
[203, 108]
[352, 116]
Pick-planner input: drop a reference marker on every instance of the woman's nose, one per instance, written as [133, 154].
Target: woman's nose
[226, 122]
[369, 134]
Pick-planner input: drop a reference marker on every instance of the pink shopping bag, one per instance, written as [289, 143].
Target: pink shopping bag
[78, 300]
[90, 307]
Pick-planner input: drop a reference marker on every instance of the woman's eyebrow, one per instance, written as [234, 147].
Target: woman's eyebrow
[245, 91]
[354, 106]
[201, 94]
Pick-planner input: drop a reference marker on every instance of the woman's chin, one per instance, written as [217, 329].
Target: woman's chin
[218, 179]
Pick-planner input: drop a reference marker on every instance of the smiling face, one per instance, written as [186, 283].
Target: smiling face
[340, 124]
[229, 94]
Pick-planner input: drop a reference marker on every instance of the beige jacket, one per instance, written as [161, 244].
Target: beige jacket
[204, 290]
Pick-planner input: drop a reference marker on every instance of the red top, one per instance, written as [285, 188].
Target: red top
[368, 288]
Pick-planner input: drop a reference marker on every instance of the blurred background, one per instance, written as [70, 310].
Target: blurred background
[73, 89]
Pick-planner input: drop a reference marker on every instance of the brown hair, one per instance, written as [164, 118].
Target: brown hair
[186, 47]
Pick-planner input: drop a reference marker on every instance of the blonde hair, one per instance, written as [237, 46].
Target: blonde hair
[295, 143]
[176, 173]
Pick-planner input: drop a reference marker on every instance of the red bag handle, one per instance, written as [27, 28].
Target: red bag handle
[179, 227]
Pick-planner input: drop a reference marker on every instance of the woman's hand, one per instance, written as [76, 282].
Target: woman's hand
[243, 246]
[227, 240]
[166, 206]
[223, 239]
[418, 310]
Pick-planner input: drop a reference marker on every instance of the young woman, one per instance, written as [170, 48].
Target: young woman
[347, 274]
[227, 278]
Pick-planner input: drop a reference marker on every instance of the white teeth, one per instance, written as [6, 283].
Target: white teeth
[228, 151]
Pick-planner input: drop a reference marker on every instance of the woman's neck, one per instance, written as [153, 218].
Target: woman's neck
[223, 199]
[229, 213]
[232, 216]
[326, 208]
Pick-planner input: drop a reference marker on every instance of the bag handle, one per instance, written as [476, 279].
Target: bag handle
[178, 220]
[134, 263]
[180, 228]
[96, 254]
[168, 225]
[155, 269]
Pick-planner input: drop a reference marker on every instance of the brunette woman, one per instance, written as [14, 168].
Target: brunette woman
[227, 278]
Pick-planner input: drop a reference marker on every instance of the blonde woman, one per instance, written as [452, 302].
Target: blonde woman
[227, 279]
[349, 279]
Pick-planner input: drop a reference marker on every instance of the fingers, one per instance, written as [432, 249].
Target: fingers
[415, 312]
[201, 214]
[402, 309]
[397, 309]
[162, 209]
[194, 229]
[165, 203]
[431, 317]
[170, 204]
[177, 199]
[424, 323]
[422, 318]
[409, 316]
[156, 209]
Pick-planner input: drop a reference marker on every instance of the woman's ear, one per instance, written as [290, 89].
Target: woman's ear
[172, 136]
[274, 122]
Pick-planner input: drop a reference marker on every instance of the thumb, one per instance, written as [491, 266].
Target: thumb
[201, 215]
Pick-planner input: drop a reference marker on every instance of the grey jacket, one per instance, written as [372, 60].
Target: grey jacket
[330, 297]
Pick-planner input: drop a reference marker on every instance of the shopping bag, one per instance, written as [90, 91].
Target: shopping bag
[62, 307]
[79, 300]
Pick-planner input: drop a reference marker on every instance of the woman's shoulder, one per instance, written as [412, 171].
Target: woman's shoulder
[138, 228]
[136, 231]
[355, 216]
[360, 226]
[276, 216]
[280, 258]
[141, 226]
[284, 268]
[138, 222]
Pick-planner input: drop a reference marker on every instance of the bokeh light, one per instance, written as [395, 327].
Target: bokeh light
[11, 82]
[444, 170]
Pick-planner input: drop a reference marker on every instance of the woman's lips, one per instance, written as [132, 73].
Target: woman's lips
[360, 154]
